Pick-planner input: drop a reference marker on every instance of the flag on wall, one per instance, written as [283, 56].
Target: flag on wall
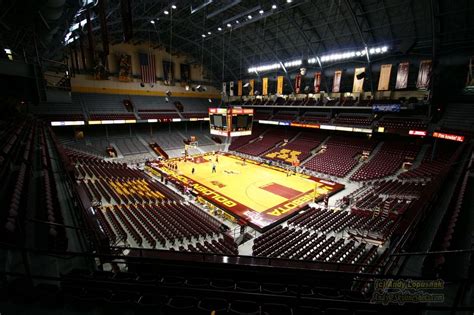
[251, 87]
[402, 76]
[147, 67]
[298, 83]
[384, 79]
[231, 88]
[280, 85]
[336, 85]
[239, 88]
[317, 82]
[424, 75]
[125, 68]
[265, 86]
[358, 85]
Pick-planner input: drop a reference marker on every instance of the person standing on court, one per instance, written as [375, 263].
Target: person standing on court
[213, 167]
[192, 171]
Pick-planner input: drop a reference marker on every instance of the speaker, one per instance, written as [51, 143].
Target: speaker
[360, 76]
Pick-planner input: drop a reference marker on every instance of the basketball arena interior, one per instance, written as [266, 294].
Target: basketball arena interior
[236, 157]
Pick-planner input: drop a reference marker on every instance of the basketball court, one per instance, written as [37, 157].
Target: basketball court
[266, 194]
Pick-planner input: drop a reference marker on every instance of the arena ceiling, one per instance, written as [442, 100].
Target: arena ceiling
[229, 36]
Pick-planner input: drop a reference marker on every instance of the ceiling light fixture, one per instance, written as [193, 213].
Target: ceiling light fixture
[274, 6]
[166, 12]
[173, 7]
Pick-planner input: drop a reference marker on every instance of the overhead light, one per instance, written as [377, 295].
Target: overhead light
[152, 22]
[249, 17]
[203, 36]
[209, 33]
[289, 1]
[261, 11]
[384, 49]
[274, 6]
[173, 7]
[8, 51]
[219, 29]
[229, 25]
[166, 12]
[237, 22]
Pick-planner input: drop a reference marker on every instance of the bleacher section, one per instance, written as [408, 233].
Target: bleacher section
[458, 116]
[387, 161]
[354, 119]
[403, 123]
[339, 156]
[316, 117]
[136, 210]
[387, 198]
[268, 141]
[299, 148]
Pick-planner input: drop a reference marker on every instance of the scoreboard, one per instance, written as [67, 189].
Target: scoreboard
[231, 122]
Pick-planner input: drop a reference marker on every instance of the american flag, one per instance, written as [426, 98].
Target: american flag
[147, 67]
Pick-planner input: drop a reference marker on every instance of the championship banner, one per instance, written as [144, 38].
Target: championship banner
[125, 68]
[265, 86]
[402, 76]
[317, 82]
[251, 86]
[384, 78]
[231, 88]
[239, 88]
[336, 85]
[298, 83]
[224, 88]
[424, 74]
[280, 85]
[358, 85]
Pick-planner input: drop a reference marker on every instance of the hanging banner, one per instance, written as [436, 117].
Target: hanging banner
[359, 76]
[168, 72]
[470, 73]
[265, 86]
[231, 88]
[280, 85]
[125, 68]
[298, 83]
[224, 88]
[251, 86]
[336, 85]
[185, 71]
[424, 75]
[317, 82]
[402, 76]
[239, 88]
[384, 78]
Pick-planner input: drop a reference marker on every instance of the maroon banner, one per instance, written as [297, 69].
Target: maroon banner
[127, 26]
[317, 82]
[298, 83]
[336, 86]
[103, 29]
[90, 36]
[424, 75]
[402, 76]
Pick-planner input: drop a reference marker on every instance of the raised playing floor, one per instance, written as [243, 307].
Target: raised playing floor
[259, 194]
